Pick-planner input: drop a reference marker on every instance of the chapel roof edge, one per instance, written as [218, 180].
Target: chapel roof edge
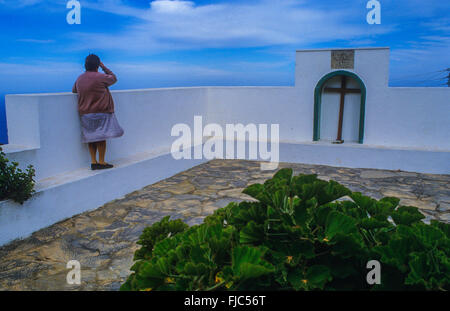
[347, 48]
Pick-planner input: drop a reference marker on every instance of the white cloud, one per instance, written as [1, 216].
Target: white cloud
[184, 25]
[171, 6]
[166, 68]
[35, 41]
[19, 3]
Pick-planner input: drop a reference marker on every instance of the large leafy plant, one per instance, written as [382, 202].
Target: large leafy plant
[15, 184]
[303, 233]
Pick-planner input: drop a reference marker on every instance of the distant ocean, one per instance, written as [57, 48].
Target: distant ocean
[3, 130]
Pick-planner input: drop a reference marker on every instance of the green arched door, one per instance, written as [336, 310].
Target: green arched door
[318, 102]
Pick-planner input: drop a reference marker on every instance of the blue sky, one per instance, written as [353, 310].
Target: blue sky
[184, 43]
[194, 43]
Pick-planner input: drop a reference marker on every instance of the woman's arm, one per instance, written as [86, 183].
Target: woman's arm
[110, 77]
[74, 88]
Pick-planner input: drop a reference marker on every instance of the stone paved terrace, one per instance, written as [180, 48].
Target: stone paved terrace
[103, 240]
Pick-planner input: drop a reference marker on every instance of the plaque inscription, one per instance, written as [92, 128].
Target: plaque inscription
[342, 59]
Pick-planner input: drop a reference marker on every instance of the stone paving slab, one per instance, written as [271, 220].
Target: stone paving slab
[104, 240]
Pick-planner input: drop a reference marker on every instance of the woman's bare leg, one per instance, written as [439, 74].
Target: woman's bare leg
[93, 152]
[101, 145]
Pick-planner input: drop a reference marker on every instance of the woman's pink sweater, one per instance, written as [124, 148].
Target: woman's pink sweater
[93, 93]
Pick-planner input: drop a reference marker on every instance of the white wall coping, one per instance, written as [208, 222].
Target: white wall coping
[11, 148]
[357, 145]
[165, 89]
[86, 172]
[419, 88]
[340, 49]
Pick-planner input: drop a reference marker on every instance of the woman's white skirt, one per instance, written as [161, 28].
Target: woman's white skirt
[99, 126]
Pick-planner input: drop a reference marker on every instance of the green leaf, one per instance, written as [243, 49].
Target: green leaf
[156, 233]
[339, 223]
[407, 215]
[248, 262]
[302, 212]
[343, 269]
[299, 249]
[302, 186]
[252, 233]
[321, 213]
[396, 253]
[350, 208]
[373, 223]
[332, 191]
[197, 269]
[317, 276]
[152, 271]
[256, 191]
[348, 245]
[296, 279]
[284, 174]
[246, 211]
[445, 228]
[428, 235]
[364, 202]
[393, 201]
[419, 266]
[199, 253]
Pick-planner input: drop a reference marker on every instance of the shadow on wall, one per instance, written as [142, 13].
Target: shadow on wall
[3, 128]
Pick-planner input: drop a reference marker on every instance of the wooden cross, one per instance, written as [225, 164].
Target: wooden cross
[342, 90]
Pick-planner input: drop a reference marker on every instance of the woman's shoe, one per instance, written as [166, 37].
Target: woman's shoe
[104, 166]
[95, 166]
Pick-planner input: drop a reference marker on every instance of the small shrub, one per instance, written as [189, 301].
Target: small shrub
[14, 183]
[303, 233]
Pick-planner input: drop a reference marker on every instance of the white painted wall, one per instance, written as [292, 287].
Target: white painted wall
[50, 126]
[259, 105]
[409, 117]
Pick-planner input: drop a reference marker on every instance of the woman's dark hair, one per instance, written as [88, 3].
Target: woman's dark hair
[92, 62]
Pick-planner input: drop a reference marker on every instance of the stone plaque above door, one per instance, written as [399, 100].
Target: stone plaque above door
[342, 59]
